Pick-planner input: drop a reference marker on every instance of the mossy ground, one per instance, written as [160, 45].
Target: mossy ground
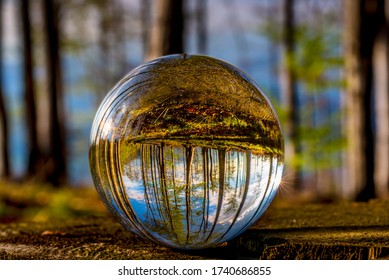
[41, 203]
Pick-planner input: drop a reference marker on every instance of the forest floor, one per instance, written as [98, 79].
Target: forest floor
[48, 223]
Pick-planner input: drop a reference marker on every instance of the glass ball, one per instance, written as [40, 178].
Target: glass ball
[186, 151]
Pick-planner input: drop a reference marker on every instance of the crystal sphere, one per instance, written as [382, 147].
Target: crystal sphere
[186, 151]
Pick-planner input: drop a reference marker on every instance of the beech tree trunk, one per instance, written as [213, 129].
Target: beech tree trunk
[201, 24]
[293, 148]
[381, 85]
[34, 154]
[4, 147]
[57, 174]
[146, 24]
[167, 31]
[363, 21]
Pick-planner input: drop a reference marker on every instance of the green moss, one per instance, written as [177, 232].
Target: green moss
[43, 202]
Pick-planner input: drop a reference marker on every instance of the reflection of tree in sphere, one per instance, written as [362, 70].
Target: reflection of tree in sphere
[186, 151]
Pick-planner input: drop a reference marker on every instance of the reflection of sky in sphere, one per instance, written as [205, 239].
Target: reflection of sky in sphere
[214, 211]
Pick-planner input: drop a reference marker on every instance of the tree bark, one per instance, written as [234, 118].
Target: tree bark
[362, 22]
[381, 85]
[34, 154]
[353, 73]
[293, 148]
[167, 33]
[105, 76]
[57, 158]
[146, 24]
[4, 147]
[201, 23]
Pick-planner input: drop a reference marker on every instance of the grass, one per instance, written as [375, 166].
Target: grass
[40, 203]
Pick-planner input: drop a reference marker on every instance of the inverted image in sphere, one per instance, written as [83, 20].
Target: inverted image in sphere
[186, 151]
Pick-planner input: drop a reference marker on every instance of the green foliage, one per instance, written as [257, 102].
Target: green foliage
[316, 55]
[316, 63]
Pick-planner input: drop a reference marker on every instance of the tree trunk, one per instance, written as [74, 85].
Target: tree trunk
[4, 148]
[293, 148]
[34, 154]
[188, 206]
[381, 85]
[353, 72]
[105, 76]
[201, 23]
[57, 157]
[167, 33]
[362, 22]
[146, 23]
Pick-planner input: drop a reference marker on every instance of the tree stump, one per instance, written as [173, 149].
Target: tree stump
[313, 231]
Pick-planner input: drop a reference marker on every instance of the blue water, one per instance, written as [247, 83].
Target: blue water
[12, 86]
[259, 59]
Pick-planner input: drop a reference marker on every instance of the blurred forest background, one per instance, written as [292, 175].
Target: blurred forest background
[323, 64]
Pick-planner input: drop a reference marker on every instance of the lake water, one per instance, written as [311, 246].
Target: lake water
[81, 102]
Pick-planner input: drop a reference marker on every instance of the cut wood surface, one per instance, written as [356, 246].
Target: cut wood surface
[311, 231]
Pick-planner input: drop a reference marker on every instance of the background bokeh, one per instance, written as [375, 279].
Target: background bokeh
[60, 58]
